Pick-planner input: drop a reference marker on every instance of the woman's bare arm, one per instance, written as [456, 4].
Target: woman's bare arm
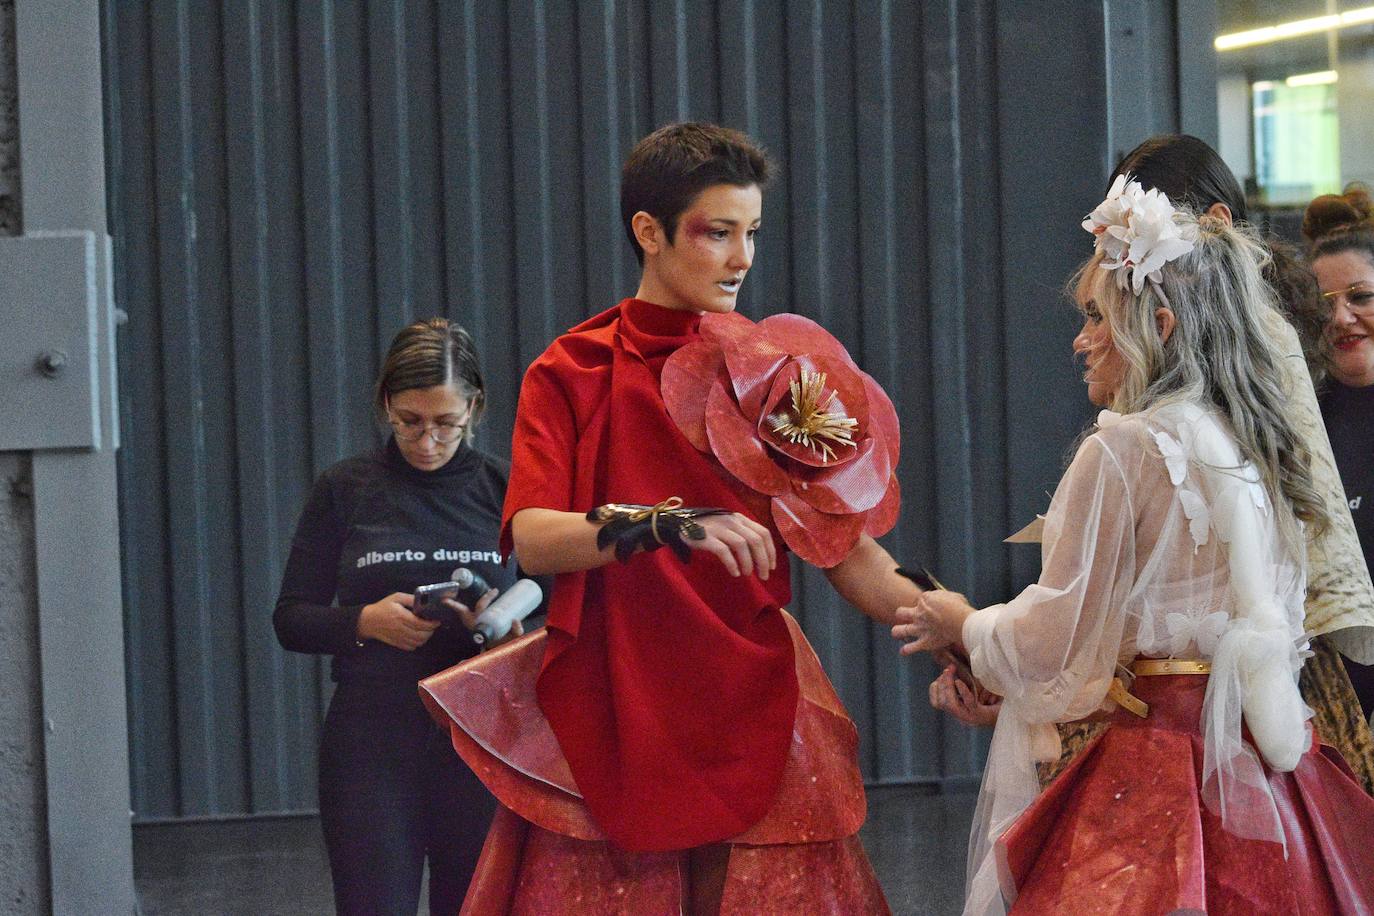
[868, 579]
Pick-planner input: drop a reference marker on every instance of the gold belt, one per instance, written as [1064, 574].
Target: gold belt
[1145, 667]
[1148, 667]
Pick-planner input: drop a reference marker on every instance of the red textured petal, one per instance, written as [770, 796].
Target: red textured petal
[884, 515]
[818, 538]
[723, 328]
[753, 363]
[798, 334]
[687, 378]
[843, 489]
[883, 422]
[751, 357]
[736, 444]
[850, 399]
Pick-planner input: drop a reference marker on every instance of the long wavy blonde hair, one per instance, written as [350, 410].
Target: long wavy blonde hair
[1222, 351]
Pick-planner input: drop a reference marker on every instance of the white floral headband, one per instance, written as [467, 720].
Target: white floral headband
[1137, 235]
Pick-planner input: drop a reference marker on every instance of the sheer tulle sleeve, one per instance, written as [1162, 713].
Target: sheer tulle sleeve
[1051, 652]
[1256, 662]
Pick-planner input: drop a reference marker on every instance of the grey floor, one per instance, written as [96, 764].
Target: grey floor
[277, 867]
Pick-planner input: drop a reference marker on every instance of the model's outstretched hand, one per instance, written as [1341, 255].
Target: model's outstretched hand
[742, 544]
[950, 694]
[936, 621]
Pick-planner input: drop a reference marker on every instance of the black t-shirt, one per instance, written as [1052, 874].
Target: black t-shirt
[375, 525]
[1349, 417]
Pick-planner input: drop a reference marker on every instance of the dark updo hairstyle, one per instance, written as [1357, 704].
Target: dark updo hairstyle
[1337, 223]
[1194, 175]
[666, 171]
[1333, 215]
[433, 352]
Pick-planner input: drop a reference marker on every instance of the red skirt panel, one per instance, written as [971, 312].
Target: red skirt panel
[1124, 828]
[545, 853]
[526, 870]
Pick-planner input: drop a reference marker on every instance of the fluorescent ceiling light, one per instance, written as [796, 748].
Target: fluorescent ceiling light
[1294, 29]
[1320, 78]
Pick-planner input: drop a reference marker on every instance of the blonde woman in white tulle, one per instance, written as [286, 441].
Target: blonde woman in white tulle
[1171, 600]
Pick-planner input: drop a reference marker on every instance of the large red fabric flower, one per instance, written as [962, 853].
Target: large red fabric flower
[786, 411]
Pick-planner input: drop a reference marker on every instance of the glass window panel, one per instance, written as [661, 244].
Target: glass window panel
[1296, 141]
[1294, 102]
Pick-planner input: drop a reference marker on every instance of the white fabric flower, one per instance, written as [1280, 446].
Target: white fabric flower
[1111, 211]
[1136, 233]
[1110, 220]
[1156, 239]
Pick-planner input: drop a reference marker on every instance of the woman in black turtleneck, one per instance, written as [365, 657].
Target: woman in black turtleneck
[377, 526]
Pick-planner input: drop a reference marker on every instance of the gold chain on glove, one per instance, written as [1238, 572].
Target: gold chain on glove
[624, 524]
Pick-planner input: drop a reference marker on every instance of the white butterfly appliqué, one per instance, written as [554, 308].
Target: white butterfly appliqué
[1199, 516]
[1194, 506]
[1175, 458]
[1204, 632]
[1255, 486]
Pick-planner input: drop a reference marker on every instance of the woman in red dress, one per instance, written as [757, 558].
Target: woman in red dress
[671, 743]
[1171, 599]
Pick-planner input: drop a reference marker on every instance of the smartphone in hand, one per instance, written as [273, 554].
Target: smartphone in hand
[429, 602]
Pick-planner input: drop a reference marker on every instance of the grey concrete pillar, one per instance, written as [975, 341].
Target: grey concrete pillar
[23, 827]
[65, 841]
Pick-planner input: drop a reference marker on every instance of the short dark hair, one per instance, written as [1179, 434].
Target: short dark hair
[668, 169]
[1186, 169]
[432, 352]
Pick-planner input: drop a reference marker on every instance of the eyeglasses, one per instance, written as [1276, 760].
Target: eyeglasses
[1358, 298]
[414, 431]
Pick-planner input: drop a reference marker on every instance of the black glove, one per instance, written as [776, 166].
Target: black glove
[631, 527]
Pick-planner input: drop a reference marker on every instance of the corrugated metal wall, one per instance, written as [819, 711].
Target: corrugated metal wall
[294, 181]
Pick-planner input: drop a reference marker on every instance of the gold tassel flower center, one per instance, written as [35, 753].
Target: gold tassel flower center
[811, 423]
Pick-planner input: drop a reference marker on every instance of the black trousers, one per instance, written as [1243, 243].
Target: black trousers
[393, 793]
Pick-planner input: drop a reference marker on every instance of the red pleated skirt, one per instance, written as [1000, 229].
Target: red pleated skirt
[1124, 828]
[545, 853]
[526, 870]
